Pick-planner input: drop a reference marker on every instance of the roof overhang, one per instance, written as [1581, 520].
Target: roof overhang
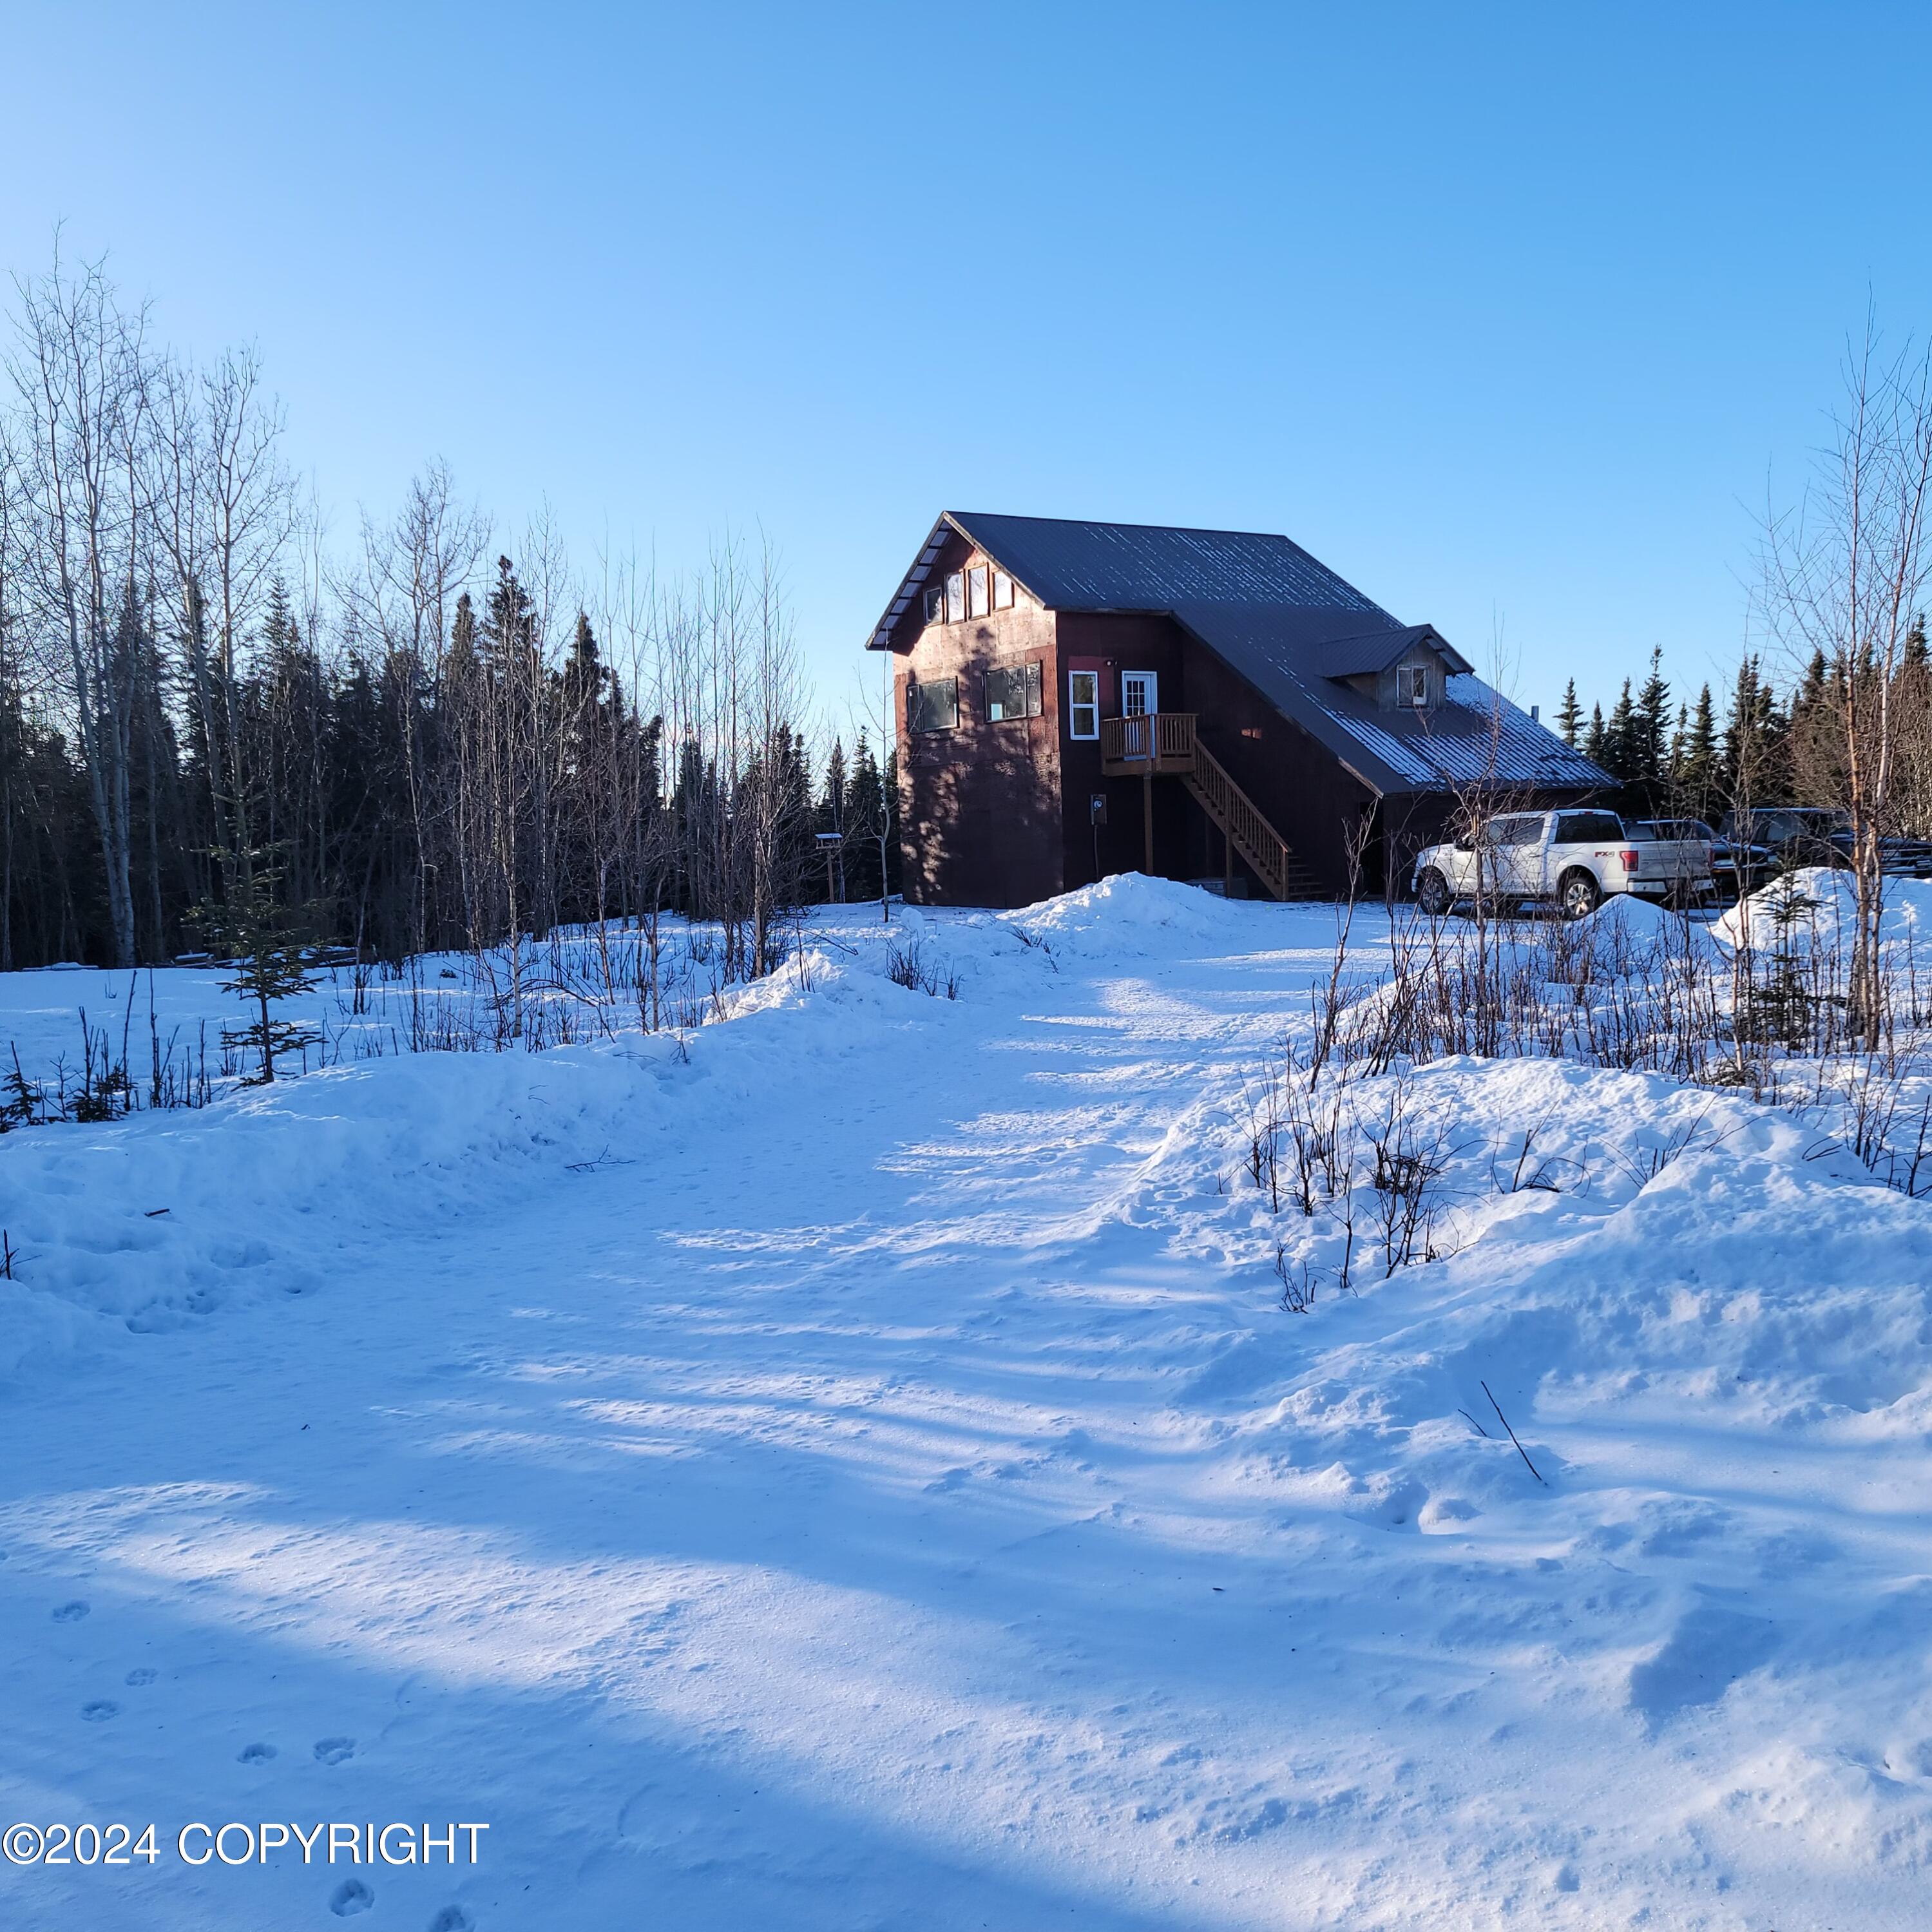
[905, 599]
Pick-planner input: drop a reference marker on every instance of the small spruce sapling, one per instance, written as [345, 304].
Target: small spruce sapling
[260, 940]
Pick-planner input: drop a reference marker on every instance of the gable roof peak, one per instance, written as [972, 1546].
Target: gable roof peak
[1068, 564]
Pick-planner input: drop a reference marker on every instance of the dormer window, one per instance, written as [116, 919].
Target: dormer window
[1412, 686]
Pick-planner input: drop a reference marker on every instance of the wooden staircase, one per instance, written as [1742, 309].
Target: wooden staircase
[1243, 826]
[1166, 744]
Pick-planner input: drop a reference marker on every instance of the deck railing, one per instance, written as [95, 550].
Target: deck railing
[1162, 739]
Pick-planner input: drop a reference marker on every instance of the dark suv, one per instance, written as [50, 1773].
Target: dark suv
[1805, 835]
[1735, 869]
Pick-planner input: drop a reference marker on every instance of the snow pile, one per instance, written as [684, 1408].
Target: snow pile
[1817, 906]
[1130, 915]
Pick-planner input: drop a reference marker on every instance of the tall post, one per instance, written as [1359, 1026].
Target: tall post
[1147, 813]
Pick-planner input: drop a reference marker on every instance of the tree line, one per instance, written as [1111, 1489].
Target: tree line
[1673, 756]
[419, 745]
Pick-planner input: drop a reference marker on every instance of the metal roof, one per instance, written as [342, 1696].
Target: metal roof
[1074, 566]
[1079, 566]
[1289, 624]
[1377, 650]
[1473, 736]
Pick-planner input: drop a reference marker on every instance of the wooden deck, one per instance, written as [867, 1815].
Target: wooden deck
[1158, 744]
[1165, 744]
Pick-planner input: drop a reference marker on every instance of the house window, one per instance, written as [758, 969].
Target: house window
[1411, 685]
[1083, 703]
[934, 706]
[1012, 691]
[1137, 694]
[978, 592]
[1003, 591]
[935, 604]
[956, 597]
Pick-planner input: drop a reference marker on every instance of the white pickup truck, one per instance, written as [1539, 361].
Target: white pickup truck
[1576, 858]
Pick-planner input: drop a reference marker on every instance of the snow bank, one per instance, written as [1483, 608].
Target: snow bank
[157, 1219]
[1826, 898]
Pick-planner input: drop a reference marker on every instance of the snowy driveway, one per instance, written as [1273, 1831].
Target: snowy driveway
[857, 1476]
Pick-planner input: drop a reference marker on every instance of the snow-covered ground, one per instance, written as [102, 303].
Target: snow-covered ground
[847, 1466]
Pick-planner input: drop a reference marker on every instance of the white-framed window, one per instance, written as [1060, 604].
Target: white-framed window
[1083, 704]
[1003, 590]
[1138, 694]
[979, 591]
[1411, 685]
[956, 597]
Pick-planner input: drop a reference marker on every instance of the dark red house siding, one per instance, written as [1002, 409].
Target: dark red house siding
[980, 805]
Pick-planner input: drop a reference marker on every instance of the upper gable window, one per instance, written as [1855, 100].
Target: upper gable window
[975, 593]
[1411, 685]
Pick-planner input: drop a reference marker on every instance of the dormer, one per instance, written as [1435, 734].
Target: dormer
[1401, 670]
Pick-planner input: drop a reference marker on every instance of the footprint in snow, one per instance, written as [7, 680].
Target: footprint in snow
[350, 1898]
[452, 1918]
[136, 1678]
[254, 1754]
[73, 1612]
[100, 1711]
[334, 1751]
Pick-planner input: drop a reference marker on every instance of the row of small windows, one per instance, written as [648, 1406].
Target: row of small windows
[1011, 691]
[969, 593]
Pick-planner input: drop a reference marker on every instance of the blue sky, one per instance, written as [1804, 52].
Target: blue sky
[1509, 314]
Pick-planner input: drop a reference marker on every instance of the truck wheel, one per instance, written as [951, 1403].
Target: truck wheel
[1432, 893]
[1579, 895]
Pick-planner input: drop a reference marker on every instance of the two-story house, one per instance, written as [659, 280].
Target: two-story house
[1078, 699]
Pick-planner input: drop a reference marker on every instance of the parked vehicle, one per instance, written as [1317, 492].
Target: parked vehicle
[1757, 862]
[1577, 859]
[1805, 835]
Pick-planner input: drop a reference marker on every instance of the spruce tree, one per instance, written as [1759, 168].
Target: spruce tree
[1756, 734]
[257, 937]
[1569, 716]
[508, 634]
[1650, 725]
[1699, 771]
[1620, 738]
[1595, 749]
[864, 813]
[460, 665]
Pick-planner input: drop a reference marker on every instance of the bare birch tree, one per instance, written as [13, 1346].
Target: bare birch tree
[78, 371]
[1844, 576]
